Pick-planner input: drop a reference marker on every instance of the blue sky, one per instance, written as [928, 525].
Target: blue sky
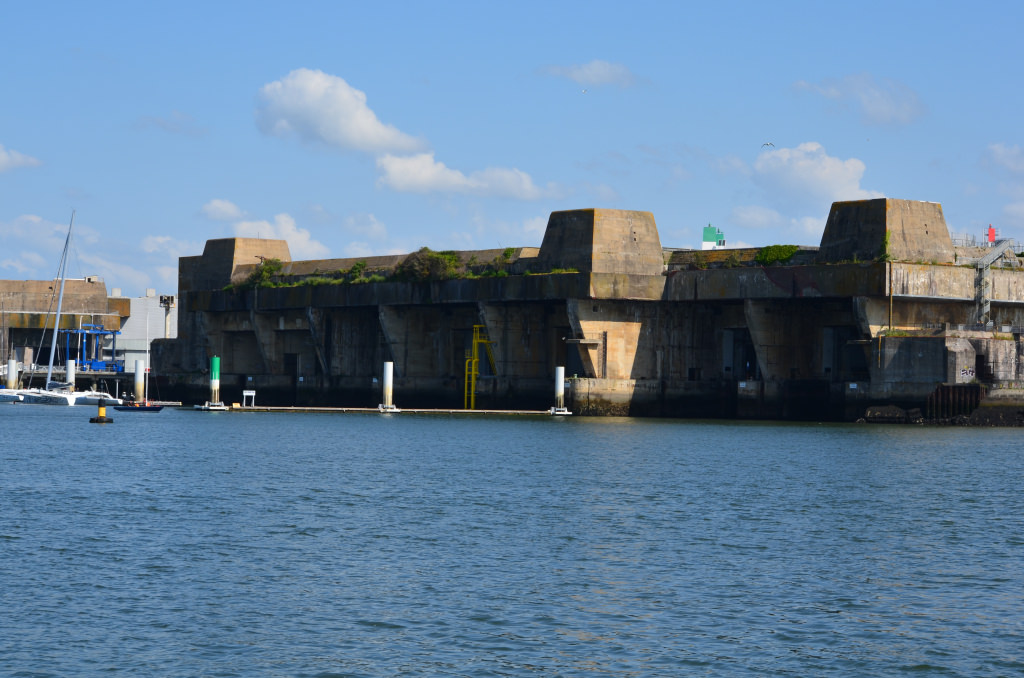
[355, 129]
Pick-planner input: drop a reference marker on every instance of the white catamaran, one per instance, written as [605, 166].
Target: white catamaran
[63, 393]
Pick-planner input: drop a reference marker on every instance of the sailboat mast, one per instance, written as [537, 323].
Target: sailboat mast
[60, 300]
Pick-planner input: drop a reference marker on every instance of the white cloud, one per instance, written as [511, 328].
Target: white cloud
[880, 102]
[154, 243]
[808, 175]
[808, 226]
[359, 249]
[754, 216]
[24, 262]
[1008, 157]
[536, 226]
[423, 174]
[120, 271]
[1014, 213]
[42, 235]
[11, 159]
[366, 225]
[603, 193]
[801, 180]
[596, 72]
[32, 246]
[23, 227]
[221, 210]
[318, 107]
[168, 275]
[300, 243]
[731, 164]
[170, 247]
[489, 232]
[320, 214]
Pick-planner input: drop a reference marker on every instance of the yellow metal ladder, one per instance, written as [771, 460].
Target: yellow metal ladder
[473, 364]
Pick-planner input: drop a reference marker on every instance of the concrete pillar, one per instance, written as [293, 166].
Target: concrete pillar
[388, 405]
[560, 387]
[12, 374]
[140, 380]
[70, 375]
[559, 408]
[614, 337]
[388, 383]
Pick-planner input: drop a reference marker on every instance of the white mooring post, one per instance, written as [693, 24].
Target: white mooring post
[388, 406]
[12, 374]
[69, 375]
[140, 380]
[559, 407]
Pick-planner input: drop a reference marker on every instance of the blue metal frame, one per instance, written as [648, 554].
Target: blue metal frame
[89, 356]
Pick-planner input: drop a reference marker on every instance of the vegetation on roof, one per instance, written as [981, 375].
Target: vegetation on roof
[775, 254]
[423, 265]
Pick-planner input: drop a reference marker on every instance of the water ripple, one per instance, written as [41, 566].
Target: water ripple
[300, 545]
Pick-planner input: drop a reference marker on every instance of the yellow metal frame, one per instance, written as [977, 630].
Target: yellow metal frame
[473, 365]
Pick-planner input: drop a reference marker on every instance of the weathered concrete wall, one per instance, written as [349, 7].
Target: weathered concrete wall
[27, 308]
[225, 261]
[922, 280]
[960, 361]
[1007, 286]
[528, 340]
[614, 330]
[903, 230]
[776, 282]
[804, 341]
[603, 241]
[34, 300]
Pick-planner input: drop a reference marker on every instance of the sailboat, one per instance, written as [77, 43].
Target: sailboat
[55, 392]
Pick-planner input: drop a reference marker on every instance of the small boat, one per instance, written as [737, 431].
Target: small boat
[145, 406]
[212, 407]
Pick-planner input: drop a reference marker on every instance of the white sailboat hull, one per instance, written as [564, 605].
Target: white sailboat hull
[94, 397]
[68, 398]
[41, 397]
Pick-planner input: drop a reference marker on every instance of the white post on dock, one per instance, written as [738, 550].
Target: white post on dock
[559, 407]
[70, 374]
[559, 386]
[12, 374]
[140, 380]
[388, 405]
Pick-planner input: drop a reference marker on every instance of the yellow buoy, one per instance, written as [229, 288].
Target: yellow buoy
[101, 414]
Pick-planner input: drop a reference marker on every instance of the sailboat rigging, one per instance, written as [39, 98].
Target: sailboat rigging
[63, 393]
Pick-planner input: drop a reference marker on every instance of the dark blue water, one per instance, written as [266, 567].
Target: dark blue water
[212, 544]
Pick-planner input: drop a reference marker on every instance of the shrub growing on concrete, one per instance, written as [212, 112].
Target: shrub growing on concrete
[775, 253]
[426, 264]
[262, 275]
